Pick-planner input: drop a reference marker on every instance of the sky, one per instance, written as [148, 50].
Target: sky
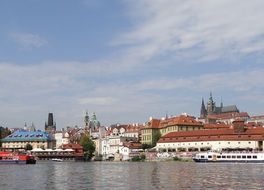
[127, 60]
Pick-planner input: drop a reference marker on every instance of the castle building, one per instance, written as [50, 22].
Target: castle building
[50, 126]
[212, 109]
[237, 136]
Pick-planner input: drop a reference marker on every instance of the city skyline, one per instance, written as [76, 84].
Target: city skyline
[127, 60]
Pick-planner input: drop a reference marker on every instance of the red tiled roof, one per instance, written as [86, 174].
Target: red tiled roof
[73, 146]
[216, 126]
[153, 124]
[213, 135]
[181, 120]
[257, 117]
[253, 124]
[133, 145]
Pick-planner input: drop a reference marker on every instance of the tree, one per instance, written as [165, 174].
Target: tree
[146, 146]
[156, 138]
[88, 146]
[28, 147]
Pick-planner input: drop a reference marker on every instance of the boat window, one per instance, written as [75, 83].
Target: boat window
[218, 156]
[228, 156]
[248, 156]
[209, 156]
[238, 156]
[255, 156]
[223, 156]
[244, 157]
[233, 156]
[202, 156]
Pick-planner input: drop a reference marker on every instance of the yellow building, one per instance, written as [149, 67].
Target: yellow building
[151, 132]
[156, 128]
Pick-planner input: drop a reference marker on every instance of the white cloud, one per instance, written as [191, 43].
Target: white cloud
[100, 101]
[202, 30]
[69, 88]
[28, 40]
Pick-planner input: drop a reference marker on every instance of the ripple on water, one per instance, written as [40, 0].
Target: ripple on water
[131, 175]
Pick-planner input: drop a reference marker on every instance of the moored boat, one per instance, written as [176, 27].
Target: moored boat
[229, 157]
[16, 158]
[56, 159]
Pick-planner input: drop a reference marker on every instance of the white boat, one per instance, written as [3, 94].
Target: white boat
[56, 159]
[229, 157]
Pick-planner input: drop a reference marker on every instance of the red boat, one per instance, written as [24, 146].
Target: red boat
[16, 158]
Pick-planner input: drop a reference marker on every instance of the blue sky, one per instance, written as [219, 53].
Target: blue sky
[127, 60]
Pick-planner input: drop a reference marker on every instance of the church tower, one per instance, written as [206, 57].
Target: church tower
[210, 105]
[50, 126]
[203, 112]
[86, 121]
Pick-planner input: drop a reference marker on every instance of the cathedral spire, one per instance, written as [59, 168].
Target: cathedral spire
[203, 111]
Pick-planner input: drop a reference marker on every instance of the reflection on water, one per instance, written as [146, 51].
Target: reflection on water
[126, 175]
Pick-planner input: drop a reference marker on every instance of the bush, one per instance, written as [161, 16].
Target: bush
[142, 157]
[177, 158]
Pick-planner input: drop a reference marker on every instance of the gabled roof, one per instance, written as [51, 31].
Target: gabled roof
[231, 108]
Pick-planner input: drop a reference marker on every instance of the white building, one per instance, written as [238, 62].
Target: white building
[236, 137]
[61, 138]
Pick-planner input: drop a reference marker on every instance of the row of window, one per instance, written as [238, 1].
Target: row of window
[179, 144]
[234, 156]
[146, 138]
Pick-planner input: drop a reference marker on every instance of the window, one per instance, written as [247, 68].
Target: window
[218, 156]
[228, 156]
[223, 156]
[255, 157]
[233, 156]
[238, 156]
[248, 156]
[244, 156]
[209, 156]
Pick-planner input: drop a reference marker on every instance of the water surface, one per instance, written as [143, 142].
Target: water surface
[130, 175]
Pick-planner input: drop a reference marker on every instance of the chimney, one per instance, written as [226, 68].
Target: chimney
[239, 126]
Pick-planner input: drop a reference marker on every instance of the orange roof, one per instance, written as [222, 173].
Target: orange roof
[216, 126]
[180, 120]
[133, 145]
[213, 135]
[153, 124]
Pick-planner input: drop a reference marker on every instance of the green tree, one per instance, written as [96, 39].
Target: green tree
[28, 147]
[88, 147]
[156, 138]
[146, 146]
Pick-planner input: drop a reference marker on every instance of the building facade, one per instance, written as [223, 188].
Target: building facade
[37, 139]
[234, 137]
[156, 128]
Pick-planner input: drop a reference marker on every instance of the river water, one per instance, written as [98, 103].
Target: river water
[131, 175]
